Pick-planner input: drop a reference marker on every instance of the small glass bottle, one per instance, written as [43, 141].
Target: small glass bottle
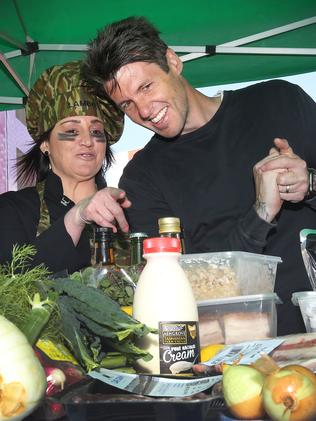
[106, 274]
[137, 262]
[137, 239]
[170, 227]
[103, 246]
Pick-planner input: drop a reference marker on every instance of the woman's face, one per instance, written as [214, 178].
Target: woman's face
[76, 147]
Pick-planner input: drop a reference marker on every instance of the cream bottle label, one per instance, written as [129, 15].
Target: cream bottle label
[178, 346]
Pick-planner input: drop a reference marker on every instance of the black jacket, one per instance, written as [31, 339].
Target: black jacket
[19, 217]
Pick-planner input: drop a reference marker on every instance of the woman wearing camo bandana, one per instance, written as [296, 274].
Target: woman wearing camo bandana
[72, 131]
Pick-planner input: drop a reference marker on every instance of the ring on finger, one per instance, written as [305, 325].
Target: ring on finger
[287, 189]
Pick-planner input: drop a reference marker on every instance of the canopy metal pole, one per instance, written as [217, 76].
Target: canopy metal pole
[271, 32]
[62, 47]
[12, 54]
[266, 50]
[201, 50]
[255, 37]
[11, 40]
[20, 17]
[13, 74]
[11, 100]
[249, 50]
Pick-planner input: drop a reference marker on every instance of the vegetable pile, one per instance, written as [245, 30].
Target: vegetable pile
[81, 317]
[79, 324]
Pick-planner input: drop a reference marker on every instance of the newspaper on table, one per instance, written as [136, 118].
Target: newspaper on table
[149, 385]
[244, 352]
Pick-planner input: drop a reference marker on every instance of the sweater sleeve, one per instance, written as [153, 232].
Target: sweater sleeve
[56, 249]
[250, 233]
[148, 204]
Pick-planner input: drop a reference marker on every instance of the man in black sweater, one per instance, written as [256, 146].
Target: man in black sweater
[199, 164]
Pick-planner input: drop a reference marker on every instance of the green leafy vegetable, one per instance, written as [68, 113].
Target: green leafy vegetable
[37, 319]
[99, 307]
[19, 284]
[71, 328]
[88, 314]
[116, 282]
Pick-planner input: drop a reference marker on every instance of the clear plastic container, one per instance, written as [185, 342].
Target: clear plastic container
[238, 319]
[231, 273]
[307, 302]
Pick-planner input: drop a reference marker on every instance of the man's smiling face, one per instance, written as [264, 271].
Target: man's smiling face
[151, 97]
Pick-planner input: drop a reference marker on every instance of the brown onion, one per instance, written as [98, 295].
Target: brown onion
[242, 389]
[289, 394]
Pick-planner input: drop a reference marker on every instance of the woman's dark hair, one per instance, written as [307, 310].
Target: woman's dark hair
[33, 166]
[127, 41]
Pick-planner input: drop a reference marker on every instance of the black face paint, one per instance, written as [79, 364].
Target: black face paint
[99, 137]
[66, 136]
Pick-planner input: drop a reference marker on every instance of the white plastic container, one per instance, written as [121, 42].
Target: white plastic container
[164, 300]
[307, 302]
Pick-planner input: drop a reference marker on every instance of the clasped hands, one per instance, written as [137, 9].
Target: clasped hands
[280, 176]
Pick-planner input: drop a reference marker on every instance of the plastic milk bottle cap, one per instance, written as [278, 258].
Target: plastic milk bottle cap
[162, 244]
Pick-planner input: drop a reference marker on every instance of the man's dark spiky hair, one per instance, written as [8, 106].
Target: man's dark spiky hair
[127, 41]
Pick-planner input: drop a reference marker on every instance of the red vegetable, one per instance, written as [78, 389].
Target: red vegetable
[59, 374]
[55, 380]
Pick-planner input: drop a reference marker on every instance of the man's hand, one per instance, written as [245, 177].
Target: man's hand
[105, 208]
[293, 179]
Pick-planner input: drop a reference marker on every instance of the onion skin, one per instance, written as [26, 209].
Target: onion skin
[289, 394]
[242, 389]
[303, 370]
[250, 409]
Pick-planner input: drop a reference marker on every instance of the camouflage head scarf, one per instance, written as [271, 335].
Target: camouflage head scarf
[61, 93]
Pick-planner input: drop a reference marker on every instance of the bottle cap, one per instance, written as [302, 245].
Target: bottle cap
[169, 224]
[103, 232]
[138, 235]
[108, 230]
[161, 245]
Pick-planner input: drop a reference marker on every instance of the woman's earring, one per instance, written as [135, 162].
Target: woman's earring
[46, 154]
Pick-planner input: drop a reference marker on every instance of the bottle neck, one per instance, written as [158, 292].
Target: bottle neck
[171, 256]
[174, 234]
[137, 251]
[104, 253]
